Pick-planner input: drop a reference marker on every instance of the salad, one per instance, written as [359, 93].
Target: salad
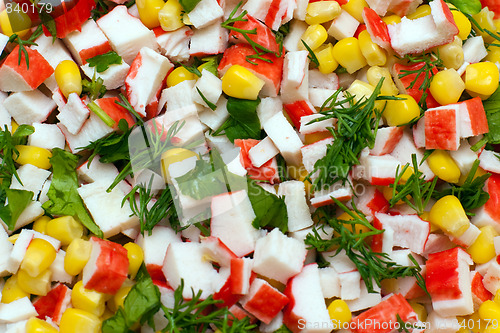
[256, 166]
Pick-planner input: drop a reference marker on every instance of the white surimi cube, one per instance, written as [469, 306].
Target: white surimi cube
[210, 86]
[175, 44]
[93, 129]
[59, 274]
[155, 245]
[330, 282]
[267, 108]
[284, 137]
[292, 40]
[6, 250]
[29, 107]
[32, 179]
[319, 126]
[3, 41]
[215, 119]
[474, 50]
[295, 86]
[212, 39]
[180, 98]
[5, 117]
[205, 13]
[262, 152]
[73, 114]
[113, 77]
[33, 211]
[18, 310]
[299, 216]
[343, 26]
[46, 136]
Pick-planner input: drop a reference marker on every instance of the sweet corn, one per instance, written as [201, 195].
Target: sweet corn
[387, 192]
[449, 215]
[13, 238]
[463, 24]
[77, 321]
[419, 310]
[68, 77]
[15, 22]
[11, 290]
[179, 75]
[77, 255]
[88, 300]
[327, 62]
[315, 137]
[447, 86]
[485, 19]
[339, 313]
[444, 166]
[493, 54]
[135, 258]
[360, 89]
[374, 54]
[173, 156]
[40, 224]
[391, 19]
[148, 12]
[117, 300]
[483, 250]
[348, 54]
[300, 173]
[489, 310]
[314, 36]
[322, 11]
[14, 125]
[481, 79]
[239, 82]
[38, 285]
[35, 325]
[358, 228]
[355, 8]
[36, 156]
[375, 73]
[399, 112]
[170, 15]
[39, 256]
[65, 229]
[452, 54]
[421, 11]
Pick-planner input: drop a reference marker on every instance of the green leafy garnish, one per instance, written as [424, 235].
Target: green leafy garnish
[243, 122]
[63, 195]
[101, 62]
[471, 193]
[17, 200]
[101, 8]
[101, 114]
[14, 38]
[191, 69]
[141, 303]
[470, 7]
[492, 109]
[48, 22]
[188, 5]
[372, 266]
[210, 104]
[210, 64]
[8, 151]
[270, 210]
[419, 188]
[95, 88]
[311, 55]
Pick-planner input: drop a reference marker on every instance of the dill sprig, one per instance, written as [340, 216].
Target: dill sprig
[416, 186]
[429, 61]
[348, 236]
[311, 55]
[259, 49]
[14, 38]
[196, 315]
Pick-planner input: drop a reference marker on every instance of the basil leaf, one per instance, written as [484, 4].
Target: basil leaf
[101, 62]
[188, 5]
[63, 195]
[470, 7]
[141, 303]
[492, 109]
[17, 201]
[269, 209]
[243, 122]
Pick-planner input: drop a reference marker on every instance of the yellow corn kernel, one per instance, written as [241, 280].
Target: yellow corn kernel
[375, 73]
[135, 258]
[38, 285]
[170, 15]
[387, 192]
[452, 54]
[13, 238]
[447, 86]
[300, 173]
[489, 310]
[39, 256]
[348, 54]
[355, 8]
[16, 21]
[475, 323]
[360, 89]
[40, 224]
[463, 24]
[68, 77]
[449, 215]
[77, 255]
[11, 290]
[485, 19]
[444, 166]
[419, 310]
[316, 136]
[77, 321]
[36, 156]
[493, 54]
[339, 313]
[172, 156]
[483, 250]
[88, 300]
[239, 82]
[496, 299]
[327, 62]
[314, 36]
[421, 11]
[322, 11]
[391, 19]
[358, 228]
[179, 75]
[399, 112]
[65, 229]
[35, 325]
[481, 79]
[148, 12]
[374, 54]
[117, 300]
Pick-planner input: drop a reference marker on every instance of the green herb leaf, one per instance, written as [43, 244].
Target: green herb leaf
[49, 23]
[95, 88]
[17, 200]
[141, 303]
[188, 5]
[270, 210]
[191, 69]
[243, 122]
[470, 7]
[492, 109]
[101, 114]
[210, 104]
[311, 55]
[102, 62]
[210, 64]
[63, 195]
[8, 151]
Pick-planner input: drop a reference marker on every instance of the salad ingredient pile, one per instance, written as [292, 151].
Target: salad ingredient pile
[261, 166]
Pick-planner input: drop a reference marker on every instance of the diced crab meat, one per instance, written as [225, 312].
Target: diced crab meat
[343, 26]
[365, 299]
[53, 305]
[93, 129]
[271, 12]
[72, 19]
[284, 138]
[28, 107]
[17, 311]
[205, 13]
[403, 153]
[313, 152]
[479, 293]
[294, 193]
[4, 39]
[107, 267]
[410, 83]
[376, 28]
[372, 201]
[262, 152]
[264, 35]
[379, 170]
[473, 120]
[113, 77]
[73, 114]
[448, 281]
[489, 213]
[175, 44]
[268, 171]
[263, 301]
[319, 126]
[341, 190]
[468, 237]
[386, 140]
[217, 251]
[241, 275]
[209, 40]
[299, 109]
[115, 111]
[442, 127]
[474, 50]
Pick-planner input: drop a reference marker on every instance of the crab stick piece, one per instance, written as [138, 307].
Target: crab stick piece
[489, 214]
[376, 28]
[53, 305]
[87, 43]
[472, 118]
[268, 171]
[442, 127]
[263, 301]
